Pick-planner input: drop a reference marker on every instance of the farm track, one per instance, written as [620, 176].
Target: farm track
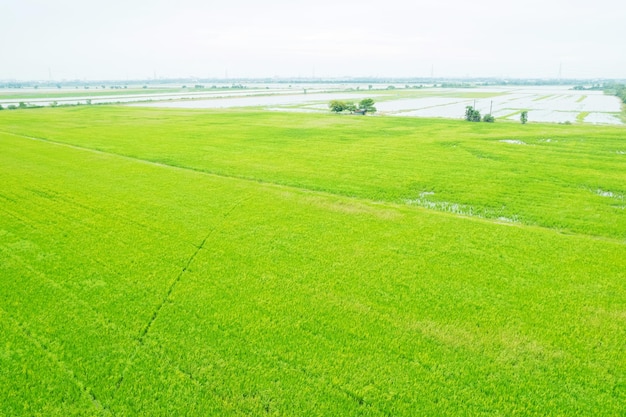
[293, 187]
[170, 290]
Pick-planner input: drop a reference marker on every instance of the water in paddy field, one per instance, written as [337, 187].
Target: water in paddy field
[258, 101]
[544, 104]
[554, 105]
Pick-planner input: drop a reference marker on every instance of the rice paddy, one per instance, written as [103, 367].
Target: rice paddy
[242, 262]
[560, 104]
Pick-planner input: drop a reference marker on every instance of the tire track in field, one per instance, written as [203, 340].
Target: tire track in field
[104, 320]
[27, 224]
[311, 190]
[155, 314]
[42, 345]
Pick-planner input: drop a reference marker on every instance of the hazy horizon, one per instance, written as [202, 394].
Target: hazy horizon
[69, 39]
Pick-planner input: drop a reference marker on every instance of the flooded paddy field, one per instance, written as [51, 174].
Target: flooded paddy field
[551, 105]
[556, 104]
[281, 99]
[101, 96]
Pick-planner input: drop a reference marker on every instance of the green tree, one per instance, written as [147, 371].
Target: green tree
[471, 114]
[489, 118]
[367, 105]
[620, 91]
[523, 117]
[337, 106]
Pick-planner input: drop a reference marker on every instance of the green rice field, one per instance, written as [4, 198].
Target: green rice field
[168, 262]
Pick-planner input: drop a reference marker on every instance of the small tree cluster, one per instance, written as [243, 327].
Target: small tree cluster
[473, 115]
[338, 106]
[365, 106]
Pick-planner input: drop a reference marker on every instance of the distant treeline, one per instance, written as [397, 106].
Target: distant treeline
[616, 89]
[437, 81]
[620, 91]
[611, 88]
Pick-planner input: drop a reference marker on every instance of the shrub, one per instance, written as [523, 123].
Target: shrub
[523, 117]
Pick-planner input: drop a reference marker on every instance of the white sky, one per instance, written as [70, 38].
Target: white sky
[115, 39]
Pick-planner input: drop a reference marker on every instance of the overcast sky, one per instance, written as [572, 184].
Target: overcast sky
[115, 39]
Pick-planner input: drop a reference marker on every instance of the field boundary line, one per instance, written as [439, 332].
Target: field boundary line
[171, 288]
[318, 192]
[52, 357]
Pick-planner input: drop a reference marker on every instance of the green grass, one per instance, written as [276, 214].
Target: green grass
[159, 262]
[552, 181]
[580, 117]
